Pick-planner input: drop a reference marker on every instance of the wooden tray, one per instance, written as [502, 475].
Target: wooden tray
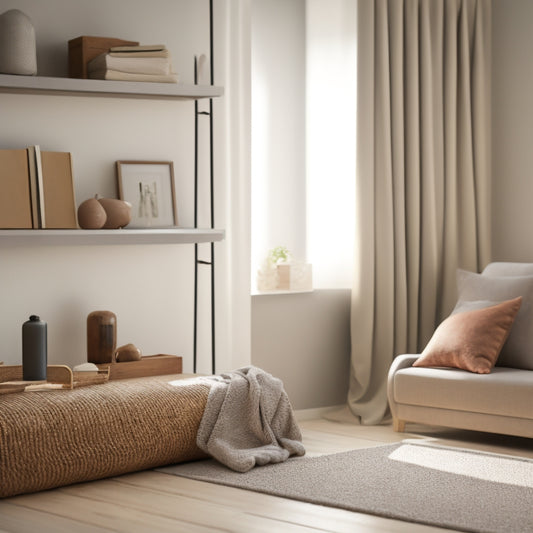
[149, 365]
[57, 377]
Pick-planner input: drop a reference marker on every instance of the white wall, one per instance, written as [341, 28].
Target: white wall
[148, 287]
[304, 339]
[512, 130]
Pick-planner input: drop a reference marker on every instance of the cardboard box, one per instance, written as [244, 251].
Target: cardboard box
[82, 49]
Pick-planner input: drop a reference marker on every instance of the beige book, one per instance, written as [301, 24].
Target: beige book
[138, 48]
[128, 76]
[34, 173]
[15, 204]
[134, 65]
[141, 53]
[58, 191]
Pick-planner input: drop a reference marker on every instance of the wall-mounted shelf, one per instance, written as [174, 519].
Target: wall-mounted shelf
[124, 89]
[73, 87]
[112, 236]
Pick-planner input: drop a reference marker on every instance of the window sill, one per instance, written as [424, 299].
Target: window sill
[275, 292]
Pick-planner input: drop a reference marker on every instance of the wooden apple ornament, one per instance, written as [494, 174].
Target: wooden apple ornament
[91, 214]
[118, 212]
[128, 352]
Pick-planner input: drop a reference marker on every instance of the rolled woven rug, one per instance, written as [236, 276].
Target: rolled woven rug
[58, 437]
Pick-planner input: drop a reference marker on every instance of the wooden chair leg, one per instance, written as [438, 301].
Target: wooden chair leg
[398, 425]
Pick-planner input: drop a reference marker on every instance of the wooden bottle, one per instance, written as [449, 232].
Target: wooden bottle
[101, 337]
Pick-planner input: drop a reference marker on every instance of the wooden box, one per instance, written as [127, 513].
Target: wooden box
[149, 365]
[82, 49]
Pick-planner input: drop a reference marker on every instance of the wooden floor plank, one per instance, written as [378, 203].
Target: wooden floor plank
[287, 511]
[181, 506]
[15, 519]
[103, 515]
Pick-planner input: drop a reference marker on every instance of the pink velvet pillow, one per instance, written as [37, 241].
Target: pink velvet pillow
[471, 340]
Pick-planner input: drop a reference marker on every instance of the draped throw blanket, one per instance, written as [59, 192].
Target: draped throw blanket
[248, 420]
[423, 177]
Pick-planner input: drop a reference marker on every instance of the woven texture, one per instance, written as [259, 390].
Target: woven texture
[55, 438]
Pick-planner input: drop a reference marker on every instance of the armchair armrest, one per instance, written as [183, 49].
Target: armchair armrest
[401, 361]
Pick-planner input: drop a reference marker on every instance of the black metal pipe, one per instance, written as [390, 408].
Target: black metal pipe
[212, 189]
[195, 326]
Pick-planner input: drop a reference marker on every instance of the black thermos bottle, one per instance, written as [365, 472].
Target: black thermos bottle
[34, 356]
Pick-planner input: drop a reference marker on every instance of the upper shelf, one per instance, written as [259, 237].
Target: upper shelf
[123, 89]
[110, 236]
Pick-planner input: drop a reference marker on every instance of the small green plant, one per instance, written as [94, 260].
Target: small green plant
[279, 254]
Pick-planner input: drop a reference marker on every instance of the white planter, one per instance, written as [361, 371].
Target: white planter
[295, 277]
[18, 51]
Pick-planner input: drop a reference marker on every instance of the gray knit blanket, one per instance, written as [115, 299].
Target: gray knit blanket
[248, 420]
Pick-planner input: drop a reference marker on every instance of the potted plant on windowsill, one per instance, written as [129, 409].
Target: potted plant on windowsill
[281, 272]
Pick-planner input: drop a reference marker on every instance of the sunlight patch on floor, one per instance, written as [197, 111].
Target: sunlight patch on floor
[487, 467]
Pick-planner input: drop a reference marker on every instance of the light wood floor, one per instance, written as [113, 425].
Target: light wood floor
[155, 502]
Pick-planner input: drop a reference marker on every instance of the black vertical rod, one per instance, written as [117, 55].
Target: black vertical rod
[211, 163]
[212, 205]
[195, 327]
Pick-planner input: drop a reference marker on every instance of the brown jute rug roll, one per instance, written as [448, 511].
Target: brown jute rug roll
[53, 438]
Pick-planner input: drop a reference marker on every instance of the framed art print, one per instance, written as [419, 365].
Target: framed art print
[149, 187]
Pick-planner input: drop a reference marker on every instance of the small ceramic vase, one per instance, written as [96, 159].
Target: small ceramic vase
[18, 50]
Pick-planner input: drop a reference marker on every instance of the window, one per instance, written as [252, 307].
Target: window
[303, 134]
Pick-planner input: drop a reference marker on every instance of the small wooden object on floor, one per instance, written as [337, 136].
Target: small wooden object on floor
[149, 365]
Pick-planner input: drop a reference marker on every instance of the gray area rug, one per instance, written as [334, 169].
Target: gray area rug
[440, 486]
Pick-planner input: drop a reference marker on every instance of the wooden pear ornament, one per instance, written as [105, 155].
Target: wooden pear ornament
[118, 212]
[91, 214]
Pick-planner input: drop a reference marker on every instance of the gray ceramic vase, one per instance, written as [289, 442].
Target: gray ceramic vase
[18, 51]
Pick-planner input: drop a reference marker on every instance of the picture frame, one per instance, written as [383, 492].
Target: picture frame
[149, 187]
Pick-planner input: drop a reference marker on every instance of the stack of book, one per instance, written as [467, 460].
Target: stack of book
[133, 63]
[37, 189]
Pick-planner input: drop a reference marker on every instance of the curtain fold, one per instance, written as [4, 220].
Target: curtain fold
[423, 177]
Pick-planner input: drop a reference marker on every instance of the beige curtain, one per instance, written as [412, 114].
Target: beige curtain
[423, 177]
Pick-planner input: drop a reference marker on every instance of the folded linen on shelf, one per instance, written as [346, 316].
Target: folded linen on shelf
[129, 76]
[131, 64]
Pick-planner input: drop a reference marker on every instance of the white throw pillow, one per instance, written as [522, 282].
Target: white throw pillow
[475, 290]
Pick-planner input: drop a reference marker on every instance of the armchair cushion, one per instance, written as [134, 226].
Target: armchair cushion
[504, 392]
[471, 340]
[517, 352]
[508, 269]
